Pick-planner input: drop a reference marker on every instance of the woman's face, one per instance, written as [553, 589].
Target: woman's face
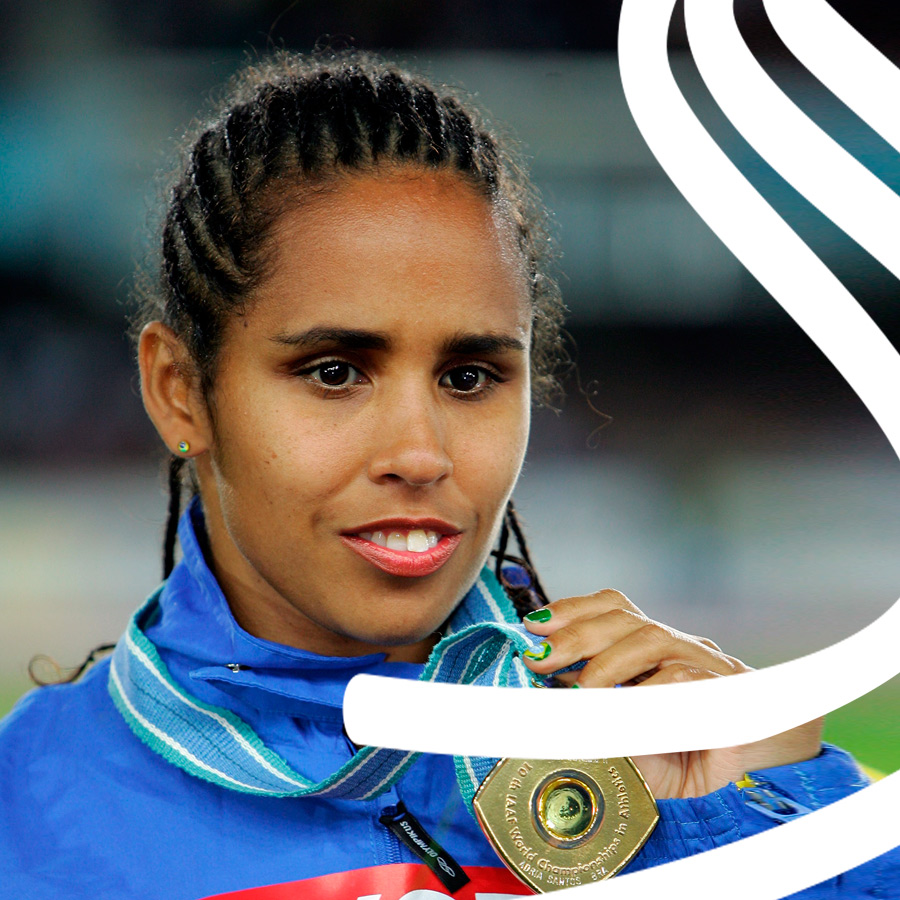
[376, 391]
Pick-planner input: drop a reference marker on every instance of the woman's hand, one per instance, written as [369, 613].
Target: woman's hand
[622, 646]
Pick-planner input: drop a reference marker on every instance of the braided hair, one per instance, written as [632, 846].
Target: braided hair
[291, 124]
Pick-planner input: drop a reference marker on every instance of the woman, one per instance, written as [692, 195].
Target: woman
[352, 319]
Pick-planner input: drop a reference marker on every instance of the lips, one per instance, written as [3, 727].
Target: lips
[407, 548]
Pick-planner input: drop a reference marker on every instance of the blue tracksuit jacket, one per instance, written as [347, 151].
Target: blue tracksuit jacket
[88, 811]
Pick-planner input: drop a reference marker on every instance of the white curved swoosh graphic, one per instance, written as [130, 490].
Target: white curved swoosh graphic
[816, 165]
[555, 724]
[771, 865]
[736, 710]
[843, 60]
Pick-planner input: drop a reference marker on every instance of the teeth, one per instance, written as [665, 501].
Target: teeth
[416, 541]
[396, 541]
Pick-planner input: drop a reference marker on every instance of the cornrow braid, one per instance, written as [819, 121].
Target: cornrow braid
[525, 598]
[176, 464]
[292, 124]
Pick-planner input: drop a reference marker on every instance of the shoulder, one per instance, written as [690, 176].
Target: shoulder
[44, 704]
[67, 724]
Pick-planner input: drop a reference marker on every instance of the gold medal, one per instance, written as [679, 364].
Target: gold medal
[560, 823]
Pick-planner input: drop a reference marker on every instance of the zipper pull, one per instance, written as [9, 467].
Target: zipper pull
[411, 833]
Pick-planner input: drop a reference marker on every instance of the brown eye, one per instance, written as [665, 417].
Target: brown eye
[335, 373]
[466, 379]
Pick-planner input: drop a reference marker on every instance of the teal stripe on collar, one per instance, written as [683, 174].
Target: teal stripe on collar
[214, 744]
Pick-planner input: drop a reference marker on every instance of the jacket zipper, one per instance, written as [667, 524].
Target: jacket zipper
[389, 840]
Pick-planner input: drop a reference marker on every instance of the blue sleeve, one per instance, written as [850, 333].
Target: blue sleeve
[692, 825]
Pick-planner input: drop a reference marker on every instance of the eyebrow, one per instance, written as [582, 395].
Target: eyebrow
[474, 344]
[461, 344]
[348, 338]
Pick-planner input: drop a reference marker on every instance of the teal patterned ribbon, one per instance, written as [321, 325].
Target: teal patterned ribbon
[481, 646]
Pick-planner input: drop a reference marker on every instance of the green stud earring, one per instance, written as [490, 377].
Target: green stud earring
[183, 446]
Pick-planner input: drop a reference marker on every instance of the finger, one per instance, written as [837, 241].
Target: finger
[560, 613]
[706, 642]
[582, 639]
[648, 648]
[676, 673]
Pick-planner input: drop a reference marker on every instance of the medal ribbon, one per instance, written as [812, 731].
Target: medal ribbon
[481, 646]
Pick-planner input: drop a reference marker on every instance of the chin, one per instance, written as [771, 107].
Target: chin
[397, 621]
[394, 638]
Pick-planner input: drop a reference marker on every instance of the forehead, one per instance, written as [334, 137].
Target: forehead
[392, 246]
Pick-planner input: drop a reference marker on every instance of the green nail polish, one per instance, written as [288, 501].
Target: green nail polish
[576, 685]
[539, 615]
[542, 651]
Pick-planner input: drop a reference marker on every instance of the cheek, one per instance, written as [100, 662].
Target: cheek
[493, 453]
[268, 459]
[306, 464]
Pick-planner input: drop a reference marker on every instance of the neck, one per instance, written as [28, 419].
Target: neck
[262, 612]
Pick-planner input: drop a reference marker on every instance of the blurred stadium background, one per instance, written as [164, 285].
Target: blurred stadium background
[740, 490]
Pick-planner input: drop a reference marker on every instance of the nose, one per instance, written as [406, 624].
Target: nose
[411, 445]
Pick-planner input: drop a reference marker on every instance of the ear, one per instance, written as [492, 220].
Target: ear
[170, 393]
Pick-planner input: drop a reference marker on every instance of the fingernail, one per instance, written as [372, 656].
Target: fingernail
[576, 685]
[539, 615]
[542, 651]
